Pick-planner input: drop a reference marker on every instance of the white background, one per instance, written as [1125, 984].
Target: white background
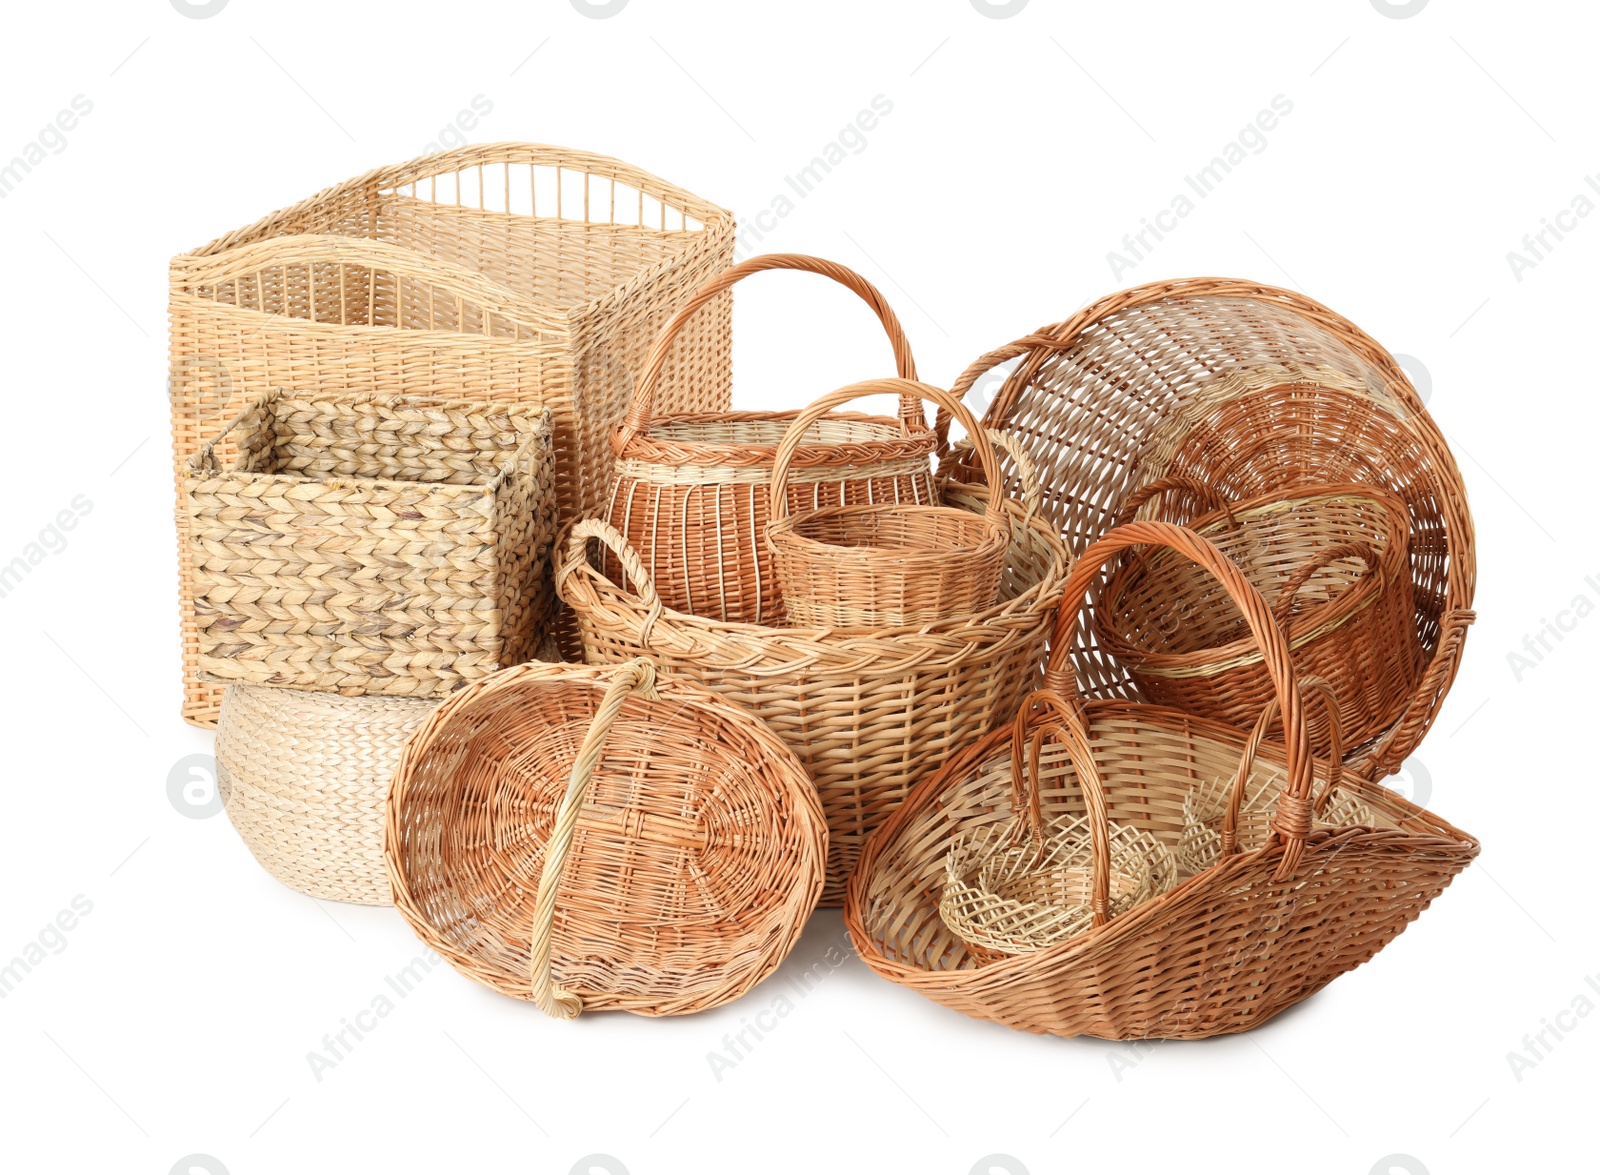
[177, 1018]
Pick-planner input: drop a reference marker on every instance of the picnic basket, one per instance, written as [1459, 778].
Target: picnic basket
[884, 564]
[691, 493]
[371, 544]
[600, 838]
[1248, 389]
[514, 273]
[1224, 949]
[868, 712]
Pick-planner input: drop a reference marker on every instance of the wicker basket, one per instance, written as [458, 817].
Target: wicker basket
[884, 564]
[305, 776]
[1248, 389]
[1332, 558]
[372, 544]
[1223, 950]
[1018, 888]
[691, 494]
[595, 838]
[506, 272]
[868, 713]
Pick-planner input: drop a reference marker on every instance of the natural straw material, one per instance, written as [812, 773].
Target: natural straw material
[600, 838]
[1222, 951]
[1248, 389]
[1332, 560]
[691, 494]
[887, 564]
[373, 544]
[868, 713]
[305, 775]
[506, 272]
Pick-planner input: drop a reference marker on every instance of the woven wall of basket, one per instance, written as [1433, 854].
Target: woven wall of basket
[1222, 950]
[1332, 561]
[867, 712]
[596, 838]
[1248, 389]
[506, 272]
[304, 776]
[885, 564]
[373, 544]
[691, 493]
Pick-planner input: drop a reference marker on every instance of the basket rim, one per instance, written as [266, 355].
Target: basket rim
[789, 533]
[901, 441]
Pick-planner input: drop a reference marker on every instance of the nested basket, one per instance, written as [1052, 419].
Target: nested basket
[375, 544]
[1224, 949]
[599, 838]
[1332, 560]
[692, 491]
[884, 564]
[868, 712]
[1248, 389]
[507, 272]
[305, 776]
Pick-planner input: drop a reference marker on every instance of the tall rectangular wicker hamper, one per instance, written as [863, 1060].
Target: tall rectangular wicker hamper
[509, 273]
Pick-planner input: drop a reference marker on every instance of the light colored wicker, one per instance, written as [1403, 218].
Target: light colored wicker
[691, 493]
[868, 713]
[1015, 889]
[596, 838]
[884, 564]
[1249, 389]
[374, 544]
[1223, 950]
[305, 775]
[507, 272]
[1333, 561]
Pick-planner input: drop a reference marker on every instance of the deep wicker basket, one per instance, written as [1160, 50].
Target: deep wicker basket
[1248, 389]
[371, 545]
[593, 838]
[506, 272]
[1224, 949]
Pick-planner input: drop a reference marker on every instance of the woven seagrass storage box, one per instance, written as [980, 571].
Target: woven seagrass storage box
[508, 272]
[371, 545]
[305, 776]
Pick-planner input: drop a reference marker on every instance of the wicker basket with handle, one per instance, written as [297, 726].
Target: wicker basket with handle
[1249, 389]
[507, 272]
[1223, 950]
[884, 564]
[599, 838]
[691, 493]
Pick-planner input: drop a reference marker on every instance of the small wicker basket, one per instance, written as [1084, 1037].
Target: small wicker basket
[595, 838]
[372, 544]
[885, 564]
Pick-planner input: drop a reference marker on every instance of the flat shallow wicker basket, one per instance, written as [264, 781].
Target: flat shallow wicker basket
[867, 712]
[1248, 389]
[305, 776]
[506, 272]
[597, 838]
[1332, 561]
[372, 544]
[692, 491]
[1224, 949]
[885, 564]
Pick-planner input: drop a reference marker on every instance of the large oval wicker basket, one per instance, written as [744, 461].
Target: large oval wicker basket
[1225, 949]
[595, 838]
[1248, 389]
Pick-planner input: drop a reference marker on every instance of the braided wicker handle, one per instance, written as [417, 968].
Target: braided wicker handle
[637, 422]
[1199, 490]
[1315, 687]
[1070, 729]
[1293, 819]
[633, 677]
[204, 459]
[979, 367]
[905, 389]
[1296, 581]
[575, 554]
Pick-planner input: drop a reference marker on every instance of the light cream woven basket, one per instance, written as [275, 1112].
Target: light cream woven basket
[304, 776]
[507, 272]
